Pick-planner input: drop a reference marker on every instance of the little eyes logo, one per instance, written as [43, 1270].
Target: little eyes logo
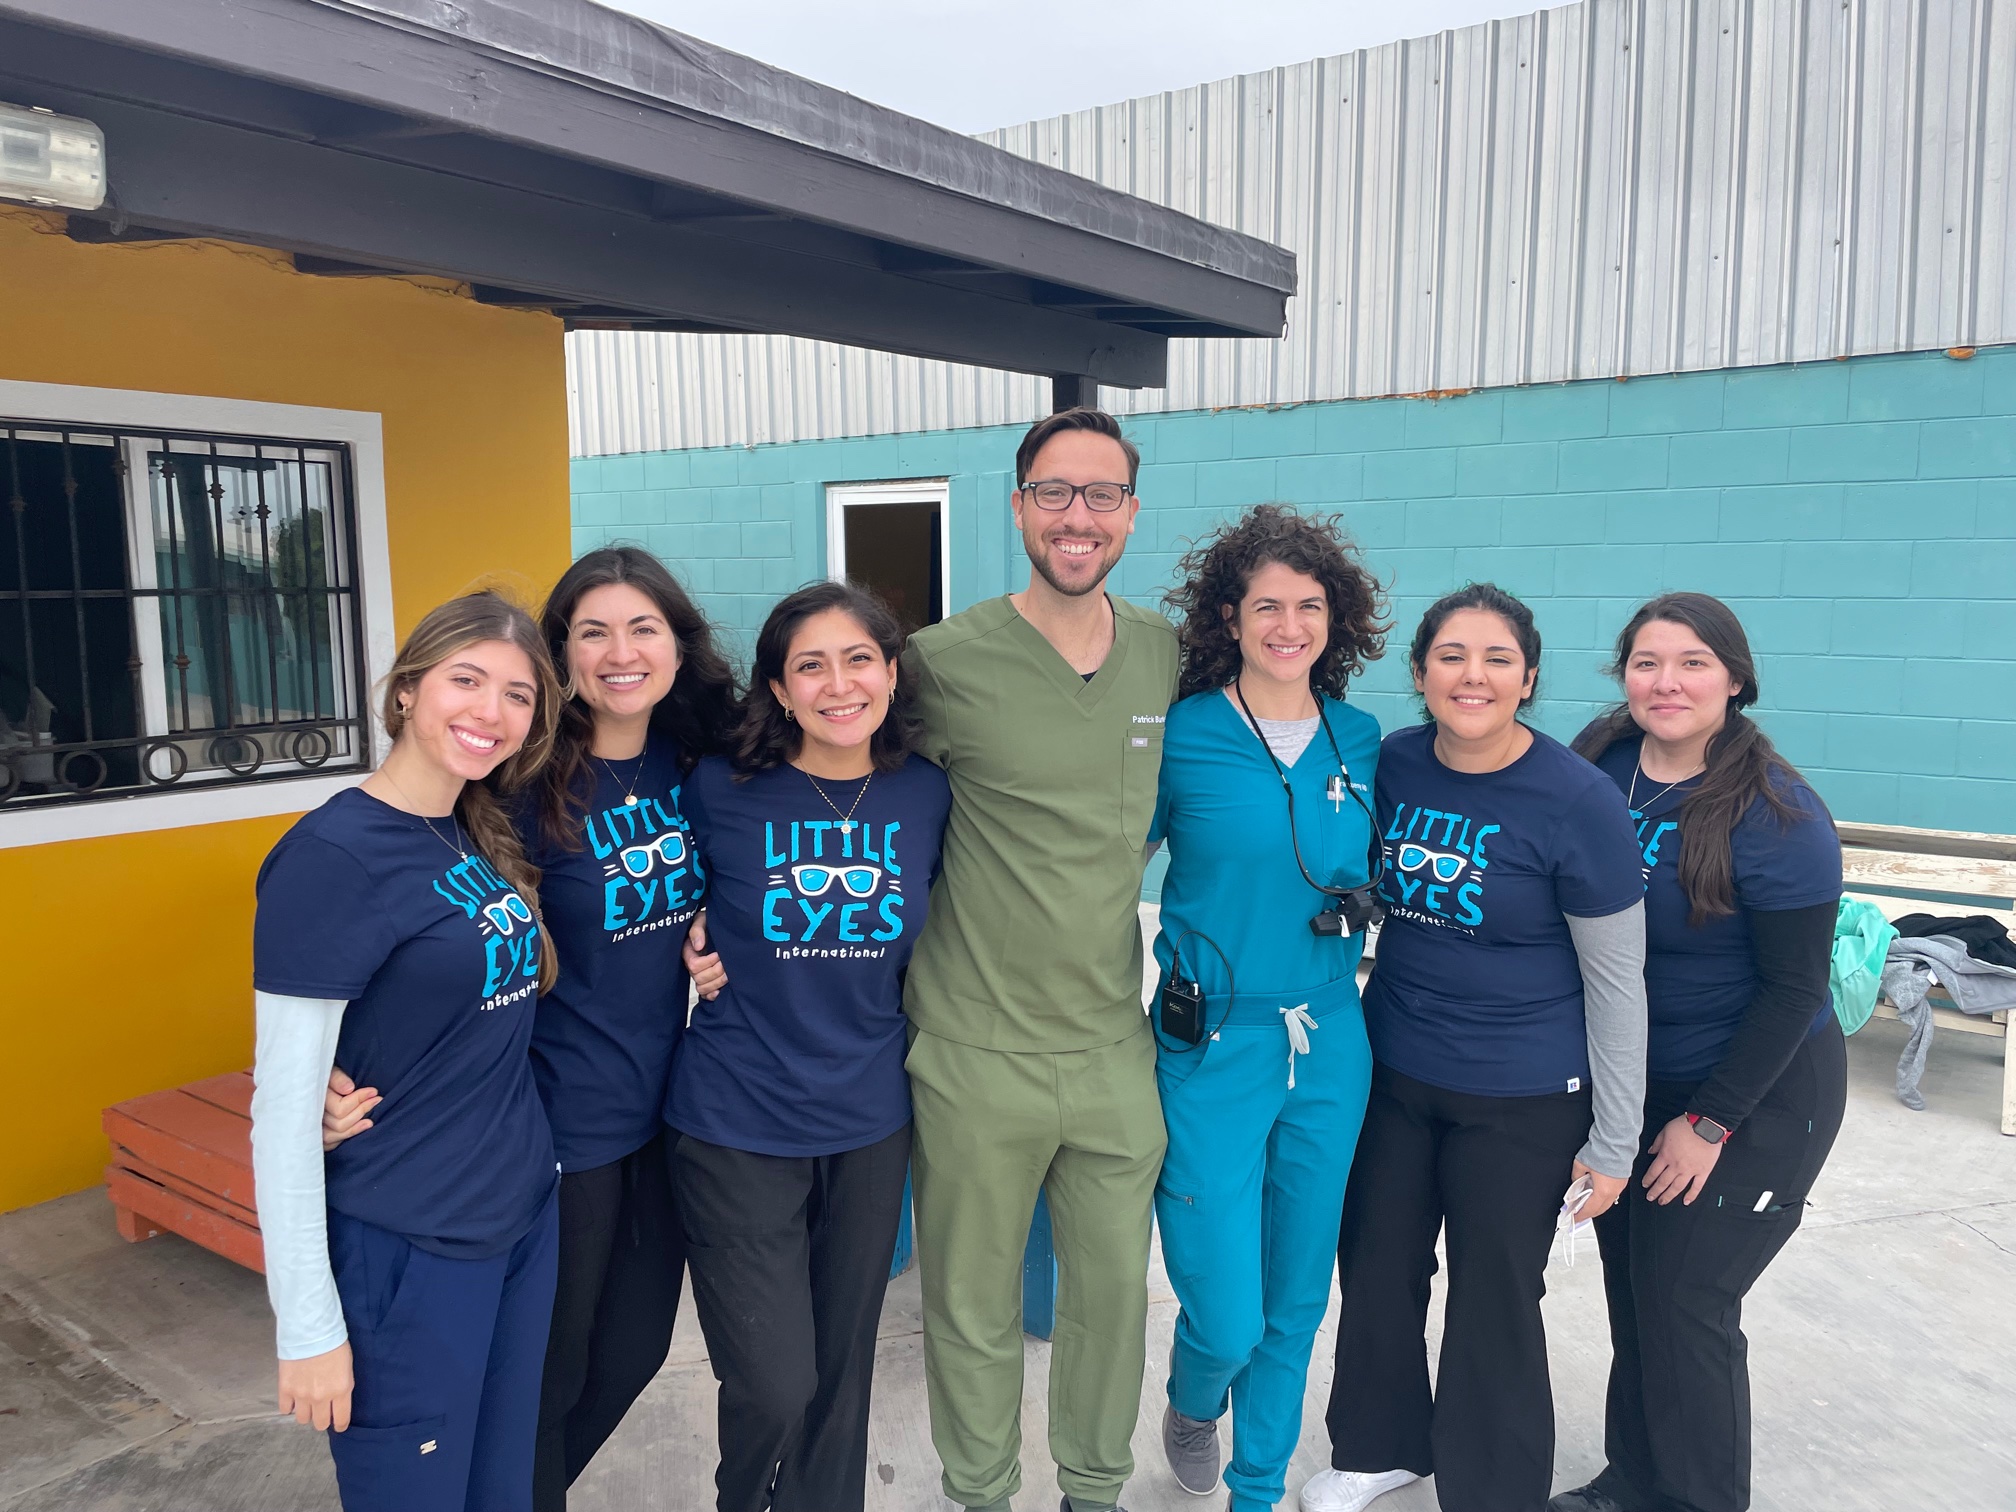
[853, 865]
[1435, 868]
[1651, 834]
[651, 878]
[504, 919]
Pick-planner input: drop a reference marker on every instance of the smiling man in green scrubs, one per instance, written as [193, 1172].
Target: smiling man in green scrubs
[1032, 1066]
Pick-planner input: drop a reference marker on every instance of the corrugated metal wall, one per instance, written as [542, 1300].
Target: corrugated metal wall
[1617, 187]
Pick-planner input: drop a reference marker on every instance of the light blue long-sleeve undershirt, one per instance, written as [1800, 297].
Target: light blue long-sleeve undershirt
[296, 1051]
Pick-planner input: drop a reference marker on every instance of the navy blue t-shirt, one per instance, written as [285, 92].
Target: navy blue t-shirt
[1699, 981]
[802, 1052]
[438, 958]
[1477, 987]
[617, 908]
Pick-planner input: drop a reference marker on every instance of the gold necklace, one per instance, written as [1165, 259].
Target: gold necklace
[630, 793]
[846, 819]
[415, 812]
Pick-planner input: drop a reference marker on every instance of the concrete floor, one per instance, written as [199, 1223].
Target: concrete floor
[1883, 1353]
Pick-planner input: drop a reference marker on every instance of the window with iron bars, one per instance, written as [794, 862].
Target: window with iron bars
[177, 610]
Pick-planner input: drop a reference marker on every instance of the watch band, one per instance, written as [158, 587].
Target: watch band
[1722, 1135]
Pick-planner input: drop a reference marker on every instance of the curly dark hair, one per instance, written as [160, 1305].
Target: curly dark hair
[697, 713]
[765, 738]
[1212, 581]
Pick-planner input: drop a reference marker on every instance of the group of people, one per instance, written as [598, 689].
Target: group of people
[897, 886]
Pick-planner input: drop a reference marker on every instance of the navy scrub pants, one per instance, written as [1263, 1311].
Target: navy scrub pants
[447, 1356]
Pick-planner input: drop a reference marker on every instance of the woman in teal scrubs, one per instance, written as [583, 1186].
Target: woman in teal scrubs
[1263, 1063]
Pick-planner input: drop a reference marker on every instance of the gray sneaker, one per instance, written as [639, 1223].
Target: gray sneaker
[1192, 1447]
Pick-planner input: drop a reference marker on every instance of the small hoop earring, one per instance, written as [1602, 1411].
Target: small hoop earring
[789, 715]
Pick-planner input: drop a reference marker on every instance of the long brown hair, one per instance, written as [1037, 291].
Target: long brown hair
[445, 630]
[698, 713]
[765, 738]
[1214, 576]
[1743, 765]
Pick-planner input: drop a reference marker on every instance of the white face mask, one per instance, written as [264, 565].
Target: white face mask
[1569, 1224]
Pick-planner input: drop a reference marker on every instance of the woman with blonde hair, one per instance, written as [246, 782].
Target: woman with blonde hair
[412, 1275]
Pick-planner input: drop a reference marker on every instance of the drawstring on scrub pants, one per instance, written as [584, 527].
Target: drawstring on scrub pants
[1298, 1023]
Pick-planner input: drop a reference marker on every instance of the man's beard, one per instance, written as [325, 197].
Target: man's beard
[1040, 560]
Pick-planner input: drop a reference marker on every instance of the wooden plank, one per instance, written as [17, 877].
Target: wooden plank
[198, 1224]
[232, 1092]
[1897, 837]
[1940, 874]
[176, 1182]
[1951, 1018]
[201, 1143]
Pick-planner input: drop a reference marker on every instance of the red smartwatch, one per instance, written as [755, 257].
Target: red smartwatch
[1709, 1130]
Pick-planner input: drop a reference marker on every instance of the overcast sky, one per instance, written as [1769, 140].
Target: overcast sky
[977, 64]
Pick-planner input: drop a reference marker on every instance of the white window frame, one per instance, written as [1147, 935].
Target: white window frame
[362, 431]
[840, 497]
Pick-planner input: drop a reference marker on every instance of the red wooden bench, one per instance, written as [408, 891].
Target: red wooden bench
[182, 1164]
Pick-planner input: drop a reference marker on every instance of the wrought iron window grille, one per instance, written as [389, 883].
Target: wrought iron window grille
[177, 610]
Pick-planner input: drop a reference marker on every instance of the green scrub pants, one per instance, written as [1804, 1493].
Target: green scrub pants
[992, 1128]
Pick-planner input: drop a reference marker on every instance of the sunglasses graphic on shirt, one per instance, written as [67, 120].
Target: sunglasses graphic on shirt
[858, 881]
[508, 912]
[1443, 866]
[671, 846]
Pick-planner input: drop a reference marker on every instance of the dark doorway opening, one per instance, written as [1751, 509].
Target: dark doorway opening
[897, 550]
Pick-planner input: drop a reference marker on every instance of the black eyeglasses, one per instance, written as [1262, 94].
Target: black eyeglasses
[1056, 496]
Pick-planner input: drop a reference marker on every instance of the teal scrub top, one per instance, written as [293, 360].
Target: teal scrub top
[1232, 872]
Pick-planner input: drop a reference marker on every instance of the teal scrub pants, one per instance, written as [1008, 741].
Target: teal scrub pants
[1248, 1205]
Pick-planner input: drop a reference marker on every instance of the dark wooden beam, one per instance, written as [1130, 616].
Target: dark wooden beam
[423, 74]
[108, 233]
[208, 179]
[1072, 391]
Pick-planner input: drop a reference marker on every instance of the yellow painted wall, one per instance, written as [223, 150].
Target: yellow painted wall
[128, 959]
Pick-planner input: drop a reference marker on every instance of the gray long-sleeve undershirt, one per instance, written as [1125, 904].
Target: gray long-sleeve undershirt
[296, 1049]
[1611, 951]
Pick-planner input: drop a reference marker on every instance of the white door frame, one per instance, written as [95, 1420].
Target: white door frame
[841, 496]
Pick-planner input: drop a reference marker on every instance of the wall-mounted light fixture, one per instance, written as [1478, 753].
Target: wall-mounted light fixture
[49, 159]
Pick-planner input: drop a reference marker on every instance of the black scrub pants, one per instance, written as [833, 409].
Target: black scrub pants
[622, 1253]
[1490, 1173]
[790, 1257]
[1677, 1422]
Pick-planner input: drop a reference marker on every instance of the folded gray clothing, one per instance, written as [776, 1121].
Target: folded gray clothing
[1910, 971]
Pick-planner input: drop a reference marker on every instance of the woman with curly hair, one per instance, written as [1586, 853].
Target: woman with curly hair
[1262, 1060]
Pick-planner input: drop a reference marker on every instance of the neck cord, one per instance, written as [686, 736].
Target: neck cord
[630, 792]
[1375, 858]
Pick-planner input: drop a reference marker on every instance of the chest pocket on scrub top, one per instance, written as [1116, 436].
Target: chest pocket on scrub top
[1140, 770]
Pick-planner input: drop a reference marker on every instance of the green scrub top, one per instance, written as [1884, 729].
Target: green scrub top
[1034, 941]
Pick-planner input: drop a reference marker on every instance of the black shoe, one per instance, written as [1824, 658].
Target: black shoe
[1589, 1498]
[1064, 1505]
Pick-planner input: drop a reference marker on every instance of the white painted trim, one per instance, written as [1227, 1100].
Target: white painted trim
[840, 496]
[360, 430]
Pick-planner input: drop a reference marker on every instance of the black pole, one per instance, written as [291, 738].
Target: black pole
[1072, 391]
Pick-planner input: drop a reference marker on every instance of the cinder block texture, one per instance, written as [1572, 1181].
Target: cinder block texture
[1860, 516]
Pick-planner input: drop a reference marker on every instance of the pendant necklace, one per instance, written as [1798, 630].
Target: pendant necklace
[453, 824]
[1637, 771]
[630, 793]
[847, 825]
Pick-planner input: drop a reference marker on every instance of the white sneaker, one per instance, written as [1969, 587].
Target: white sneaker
[1351, 1490]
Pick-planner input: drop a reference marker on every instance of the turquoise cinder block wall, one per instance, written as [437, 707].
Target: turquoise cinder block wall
[1860, 515]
